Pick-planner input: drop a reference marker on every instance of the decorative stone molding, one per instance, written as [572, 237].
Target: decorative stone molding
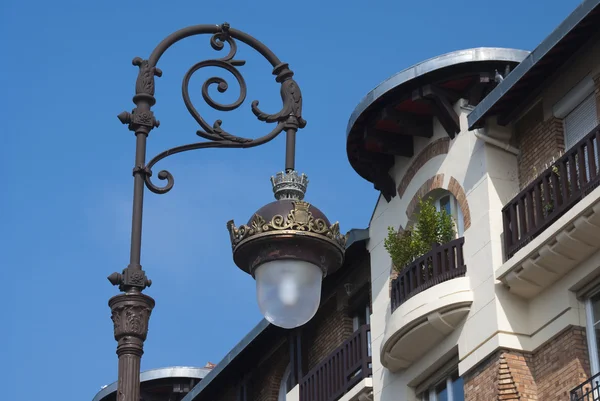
[454, 188]
[438, 147]
[459, 193]
[434, 182]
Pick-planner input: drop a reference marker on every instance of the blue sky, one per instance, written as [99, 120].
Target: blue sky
[66, 162]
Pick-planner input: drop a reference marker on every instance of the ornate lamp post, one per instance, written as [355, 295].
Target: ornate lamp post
[288, 245]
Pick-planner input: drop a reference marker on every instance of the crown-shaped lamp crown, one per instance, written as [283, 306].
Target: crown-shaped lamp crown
[289, 185]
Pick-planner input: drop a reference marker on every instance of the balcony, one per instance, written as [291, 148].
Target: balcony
[344, 369]
[551, 194]
[554, 223]
[441, 264]
[588, 390]
[430, 298]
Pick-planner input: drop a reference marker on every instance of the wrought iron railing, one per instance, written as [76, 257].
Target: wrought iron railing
[551, 194]
[588, 390]
[441, 264]
[343, 369]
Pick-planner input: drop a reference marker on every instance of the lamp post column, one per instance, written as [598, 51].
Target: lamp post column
[130, 315]
[131, 309]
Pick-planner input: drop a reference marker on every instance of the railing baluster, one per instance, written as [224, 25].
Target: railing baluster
[583, 168]
[441, 263]
[560, 183]
[529, 210]
[522, 220]
[506, 222]
[515, 223]
[573, 167]
[539, 211]
[591, 154]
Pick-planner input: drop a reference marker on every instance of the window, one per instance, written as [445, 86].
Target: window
[592, 313]
[449, 203]
[284, 386]
[360, 317]
[450, 388]
[579, 113]
[360, 312]
[580, 121]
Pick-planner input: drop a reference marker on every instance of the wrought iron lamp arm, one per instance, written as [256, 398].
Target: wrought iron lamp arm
[142, 120]
[131, 310]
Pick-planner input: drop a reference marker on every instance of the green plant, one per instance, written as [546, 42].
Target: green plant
[432, 227]
[549, 205]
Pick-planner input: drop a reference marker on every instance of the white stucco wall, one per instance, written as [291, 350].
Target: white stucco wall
[497, 318]
[488, 176]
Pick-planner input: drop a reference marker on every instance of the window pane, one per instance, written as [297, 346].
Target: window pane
[458, 390]
[442, 392]
[445, 205]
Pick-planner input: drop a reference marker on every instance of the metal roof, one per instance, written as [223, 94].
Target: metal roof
[575, 30]
[157, 374]
[480, 54]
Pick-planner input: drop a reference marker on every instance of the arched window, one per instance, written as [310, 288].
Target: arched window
[283, 387]
[444, 200]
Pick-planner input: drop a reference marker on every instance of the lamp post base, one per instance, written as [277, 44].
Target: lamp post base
[130, 316]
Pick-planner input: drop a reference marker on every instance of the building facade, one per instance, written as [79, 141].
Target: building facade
[507, 143]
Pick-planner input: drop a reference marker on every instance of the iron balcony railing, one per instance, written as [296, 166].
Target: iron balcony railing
[588, 390]
[442, 263]
[551, 194]
[343, 369]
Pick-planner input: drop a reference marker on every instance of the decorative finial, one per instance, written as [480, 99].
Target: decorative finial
[289, 185]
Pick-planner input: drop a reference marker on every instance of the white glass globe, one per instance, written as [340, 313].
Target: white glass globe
[288, 291]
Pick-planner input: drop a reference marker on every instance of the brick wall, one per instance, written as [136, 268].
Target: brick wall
[481, 382]
[266, 378]
[561, 364]
[332, 325]
[548, 374]
[327, 331]
[539, 142]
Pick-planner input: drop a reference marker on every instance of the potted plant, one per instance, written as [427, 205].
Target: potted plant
[432, 228]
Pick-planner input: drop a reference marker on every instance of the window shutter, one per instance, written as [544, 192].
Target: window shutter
[579, 122]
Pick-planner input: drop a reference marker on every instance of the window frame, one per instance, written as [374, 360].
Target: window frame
[283, 386]
[430, 394]
[436, 196]
[455, 210]
[590, 332]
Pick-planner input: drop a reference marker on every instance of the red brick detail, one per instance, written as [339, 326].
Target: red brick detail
[550, 373]
[539, 142]
[507, 389]
[480, 383]
[266, 377]
[433, 149]
[459, 193]
[434, 182]
[520, 367]
[561, 364]
[453, 187]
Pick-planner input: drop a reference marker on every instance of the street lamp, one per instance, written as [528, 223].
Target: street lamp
[288, 246]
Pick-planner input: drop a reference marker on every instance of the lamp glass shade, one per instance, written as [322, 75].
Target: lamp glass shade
[288, 291]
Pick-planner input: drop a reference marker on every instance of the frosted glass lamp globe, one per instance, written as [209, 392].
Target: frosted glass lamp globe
[288, 291]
